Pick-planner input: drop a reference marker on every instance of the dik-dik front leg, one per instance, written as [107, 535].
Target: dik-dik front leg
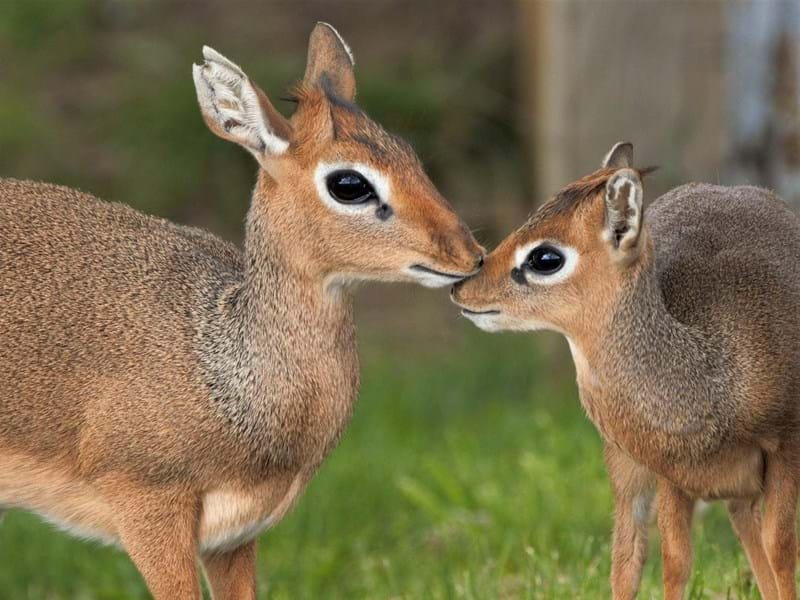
[232, 575]
[780, 510]
[633, 486]
[157, 528]
[675, 509]
[746, 519]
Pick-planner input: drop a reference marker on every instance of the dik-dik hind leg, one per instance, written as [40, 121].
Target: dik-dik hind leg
[157, 528]
[633, 487]
[675, 510]
[745, 517]
[232, 575]
[778, 532]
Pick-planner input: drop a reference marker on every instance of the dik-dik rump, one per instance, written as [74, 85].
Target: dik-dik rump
[684, 326]
[163, 390]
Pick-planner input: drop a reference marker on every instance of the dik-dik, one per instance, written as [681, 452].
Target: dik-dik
[684, 326]
[164, 391]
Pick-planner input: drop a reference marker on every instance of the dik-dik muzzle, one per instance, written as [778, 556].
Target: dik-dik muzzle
[346, 199]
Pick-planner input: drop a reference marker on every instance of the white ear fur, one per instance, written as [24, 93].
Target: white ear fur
[619, 157]
[623, 203]
[230, 106]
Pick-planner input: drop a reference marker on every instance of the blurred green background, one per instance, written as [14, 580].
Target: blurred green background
[469, 470]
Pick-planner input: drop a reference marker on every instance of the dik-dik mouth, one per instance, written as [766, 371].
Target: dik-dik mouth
[474, 313]
[452, 276]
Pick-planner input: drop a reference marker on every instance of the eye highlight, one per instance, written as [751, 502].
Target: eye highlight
[350, 187]
[545, 260]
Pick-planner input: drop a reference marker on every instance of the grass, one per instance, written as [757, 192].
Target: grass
[466, 474]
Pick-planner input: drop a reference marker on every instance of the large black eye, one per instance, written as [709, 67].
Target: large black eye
[544, 260]
[350, 187]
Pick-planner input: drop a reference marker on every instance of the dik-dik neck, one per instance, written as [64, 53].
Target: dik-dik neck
[287, 362]
[652, 380]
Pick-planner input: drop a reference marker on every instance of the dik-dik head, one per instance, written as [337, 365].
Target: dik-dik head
[563, 269]
[348, 200]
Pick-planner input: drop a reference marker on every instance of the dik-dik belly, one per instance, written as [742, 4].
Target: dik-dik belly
[234, 515]
[736, 473]
[230, 515]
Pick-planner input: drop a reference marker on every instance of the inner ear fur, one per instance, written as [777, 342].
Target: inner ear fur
[623, 210]
[236, 109]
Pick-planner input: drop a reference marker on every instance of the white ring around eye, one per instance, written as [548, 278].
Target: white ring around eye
[569, 253]
[377, 180]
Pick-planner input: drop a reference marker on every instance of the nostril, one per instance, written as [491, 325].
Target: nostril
[481, 258]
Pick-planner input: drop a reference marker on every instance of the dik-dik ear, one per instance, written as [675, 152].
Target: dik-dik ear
[623, 214]
[619, 157]
[330, 63]
[235, 108]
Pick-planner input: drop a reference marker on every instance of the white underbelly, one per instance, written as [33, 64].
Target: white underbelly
[232, 517]
[51, 492]
[229, 517]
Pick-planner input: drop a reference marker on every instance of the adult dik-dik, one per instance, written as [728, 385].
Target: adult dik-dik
[162, 390]
[684, 326]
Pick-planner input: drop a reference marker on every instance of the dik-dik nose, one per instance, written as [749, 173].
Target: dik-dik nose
[455, 288]
[476, 252]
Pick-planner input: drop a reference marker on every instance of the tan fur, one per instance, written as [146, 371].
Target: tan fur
[232, 575]
[161, 389]
[685, 331]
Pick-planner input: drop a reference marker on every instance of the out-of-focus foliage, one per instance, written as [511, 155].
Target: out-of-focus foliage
[98, 95]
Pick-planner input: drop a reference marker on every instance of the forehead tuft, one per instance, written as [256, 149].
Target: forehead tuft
[351, 124]
[571, 197]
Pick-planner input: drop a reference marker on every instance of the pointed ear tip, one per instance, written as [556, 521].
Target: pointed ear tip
[323, 28]
[622, 146]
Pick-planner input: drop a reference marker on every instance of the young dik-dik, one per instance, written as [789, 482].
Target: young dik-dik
[160, 389]
[684, 326]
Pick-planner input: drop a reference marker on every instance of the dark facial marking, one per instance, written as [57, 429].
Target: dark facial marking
[384, 211]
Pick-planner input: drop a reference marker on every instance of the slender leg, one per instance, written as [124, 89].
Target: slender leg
[778, 532]
[157, 528]
[675, 510]
[232, 575]
[633, 487]
[745, 517]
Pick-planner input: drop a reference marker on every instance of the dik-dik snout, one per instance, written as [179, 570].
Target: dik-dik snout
[350, 200]
[560, 270]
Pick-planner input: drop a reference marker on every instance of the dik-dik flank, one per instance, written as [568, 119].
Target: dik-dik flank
[684, 326]
[162, 390]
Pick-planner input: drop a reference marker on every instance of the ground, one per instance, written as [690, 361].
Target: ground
[466, 474]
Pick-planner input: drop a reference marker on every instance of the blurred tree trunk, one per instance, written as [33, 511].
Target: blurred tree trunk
[598, 71]
[764, 95]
